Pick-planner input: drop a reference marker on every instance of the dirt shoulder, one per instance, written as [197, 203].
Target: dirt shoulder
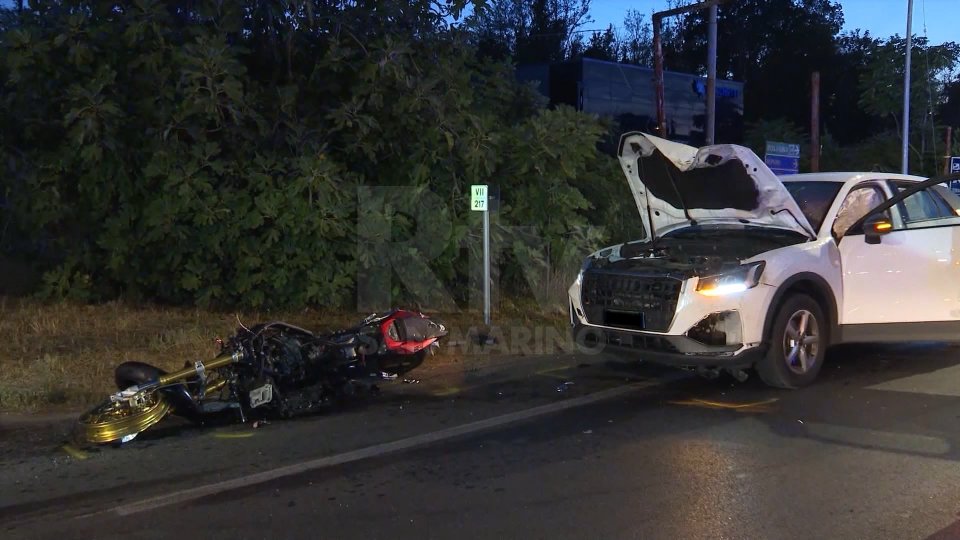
[60, 357]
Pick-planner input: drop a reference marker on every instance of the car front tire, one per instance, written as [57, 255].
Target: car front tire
[797, 344]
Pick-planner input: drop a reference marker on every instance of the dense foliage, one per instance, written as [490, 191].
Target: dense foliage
[216, 155]
[301, 152]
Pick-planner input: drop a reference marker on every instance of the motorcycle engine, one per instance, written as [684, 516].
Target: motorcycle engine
[285, 361]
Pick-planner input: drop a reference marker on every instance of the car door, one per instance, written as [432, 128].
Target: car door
[913, 274]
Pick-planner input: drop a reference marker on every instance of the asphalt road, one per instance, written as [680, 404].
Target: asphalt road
[565, 448]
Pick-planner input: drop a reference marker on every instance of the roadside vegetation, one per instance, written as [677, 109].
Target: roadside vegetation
[235, 155]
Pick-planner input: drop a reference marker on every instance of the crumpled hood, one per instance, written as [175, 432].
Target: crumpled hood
[723, 183]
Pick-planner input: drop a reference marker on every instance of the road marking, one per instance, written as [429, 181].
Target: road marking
[368, 452]
[551, 372]
[942, 382]
[241, 435]
[555, 375]
[74, 451]
[448, 391]
[755, 406]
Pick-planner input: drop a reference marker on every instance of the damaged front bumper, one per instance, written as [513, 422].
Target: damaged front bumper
[674, 350]
[688, 329]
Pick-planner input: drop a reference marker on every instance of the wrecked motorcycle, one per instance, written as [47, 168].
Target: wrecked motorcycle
[272, 369]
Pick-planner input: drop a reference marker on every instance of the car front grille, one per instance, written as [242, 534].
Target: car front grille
[628, 301]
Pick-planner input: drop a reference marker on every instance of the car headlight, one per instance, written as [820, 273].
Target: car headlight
[734, 281]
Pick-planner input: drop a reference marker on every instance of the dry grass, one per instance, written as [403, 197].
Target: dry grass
[62, 355]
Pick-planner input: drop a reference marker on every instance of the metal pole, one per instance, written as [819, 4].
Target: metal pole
[815, 122]
[712, 75]
[486, 264]
[946, 158]
[658, 77]
[658, 56]
[905, 157]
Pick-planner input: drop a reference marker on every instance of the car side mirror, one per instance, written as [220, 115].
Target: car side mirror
[874, 227]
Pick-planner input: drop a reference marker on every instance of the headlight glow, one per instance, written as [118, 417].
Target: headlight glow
[731, 282]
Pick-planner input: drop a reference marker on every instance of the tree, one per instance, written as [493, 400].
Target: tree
[636, 39]
[213, 152]
[602, 46]
[882, 83]
[770, 45]
[841, 113]
[532, 31]
[949, 106]
[882, 92]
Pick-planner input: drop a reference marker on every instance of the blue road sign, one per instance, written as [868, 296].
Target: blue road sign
[783, 164]
[782, 158]
[954, 168]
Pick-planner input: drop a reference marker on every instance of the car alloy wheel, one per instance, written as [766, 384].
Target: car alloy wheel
[801, 342]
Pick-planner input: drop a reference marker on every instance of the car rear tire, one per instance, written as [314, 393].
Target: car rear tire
[797, 344]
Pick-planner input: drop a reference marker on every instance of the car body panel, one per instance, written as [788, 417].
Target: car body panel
[722, 183]
[874, 276]
[912, 275]
[818, 257]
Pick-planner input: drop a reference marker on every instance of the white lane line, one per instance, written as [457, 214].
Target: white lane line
[942, 382]
[368, 452]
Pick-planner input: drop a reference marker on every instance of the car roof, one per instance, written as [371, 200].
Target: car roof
[843, 177]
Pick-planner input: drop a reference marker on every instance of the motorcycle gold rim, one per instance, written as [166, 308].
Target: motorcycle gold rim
[111, 421]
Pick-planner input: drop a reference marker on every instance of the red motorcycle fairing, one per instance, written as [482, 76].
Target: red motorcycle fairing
[408, 332]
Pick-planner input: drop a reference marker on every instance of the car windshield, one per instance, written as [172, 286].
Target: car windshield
[814, 198]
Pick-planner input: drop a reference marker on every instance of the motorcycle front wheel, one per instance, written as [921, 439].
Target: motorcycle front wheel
[114, 421]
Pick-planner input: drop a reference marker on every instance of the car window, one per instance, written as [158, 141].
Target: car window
[949, 198]
[857, 204]
[814, 199]
[924, 205]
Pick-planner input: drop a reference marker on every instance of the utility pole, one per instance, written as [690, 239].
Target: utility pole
[946, 158]
[658, 76]
[905, 157]
[815, 122]
[712, 76]
[657, 19]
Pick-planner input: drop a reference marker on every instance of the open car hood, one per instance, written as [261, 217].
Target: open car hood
[718, 184]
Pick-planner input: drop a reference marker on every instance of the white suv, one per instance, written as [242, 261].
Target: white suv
[741, 269]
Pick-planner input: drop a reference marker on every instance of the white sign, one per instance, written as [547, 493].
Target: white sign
[478, 198]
